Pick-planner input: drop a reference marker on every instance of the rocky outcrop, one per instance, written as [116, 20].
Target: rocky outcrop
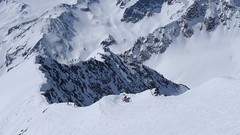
[86, 82]
[109, 41]
[141, 9]
[208, 14]
[122, 3]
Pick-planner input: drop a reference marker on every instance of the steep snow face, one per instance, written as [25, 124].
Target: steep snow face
[11, 12]
[19, 89]
[202, 57]
[38, 7]
[45, 35]
[25, 33]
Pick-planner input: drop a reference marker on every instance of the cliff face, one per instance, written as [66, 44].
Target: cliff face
[86, 82]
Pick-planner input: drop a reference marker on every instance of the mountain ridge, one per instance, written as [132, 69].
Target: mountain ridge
[91, 66]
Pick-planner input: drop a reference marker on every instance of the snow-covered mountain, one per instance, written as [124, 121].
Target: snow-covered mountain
[86, 82]
[95, 66]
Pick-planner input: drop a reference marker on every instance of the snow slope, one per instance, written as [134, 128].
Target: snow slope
[212, 108]
[202, 57]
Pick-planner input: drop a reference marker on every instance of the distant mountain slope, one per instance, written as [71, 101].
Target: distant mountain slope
[200, 15]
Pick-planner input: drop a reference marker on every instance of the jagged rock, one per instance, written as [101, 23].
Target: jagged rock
[109, 41]
[237, 3]
[141, 9]
[196, 10]
[86, 82]
[122, 3]
[211, 23]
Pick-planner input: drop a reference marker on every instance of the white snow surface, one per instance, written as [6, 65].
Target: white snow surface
[204, 56]
[38, 7]
[213, 108]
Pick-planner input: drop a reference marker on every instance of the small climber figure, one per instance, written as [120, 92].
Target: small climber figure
[126, 99]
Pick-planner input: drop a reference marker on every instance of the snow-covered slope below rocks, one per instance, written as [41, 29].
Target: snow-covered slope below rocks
[200, 58]
[212, 109]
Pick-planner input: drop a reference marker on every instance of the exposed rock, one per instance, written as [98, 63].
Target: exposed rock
[141, 9]
[109, 41]
[86, 82]
[122, 3]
